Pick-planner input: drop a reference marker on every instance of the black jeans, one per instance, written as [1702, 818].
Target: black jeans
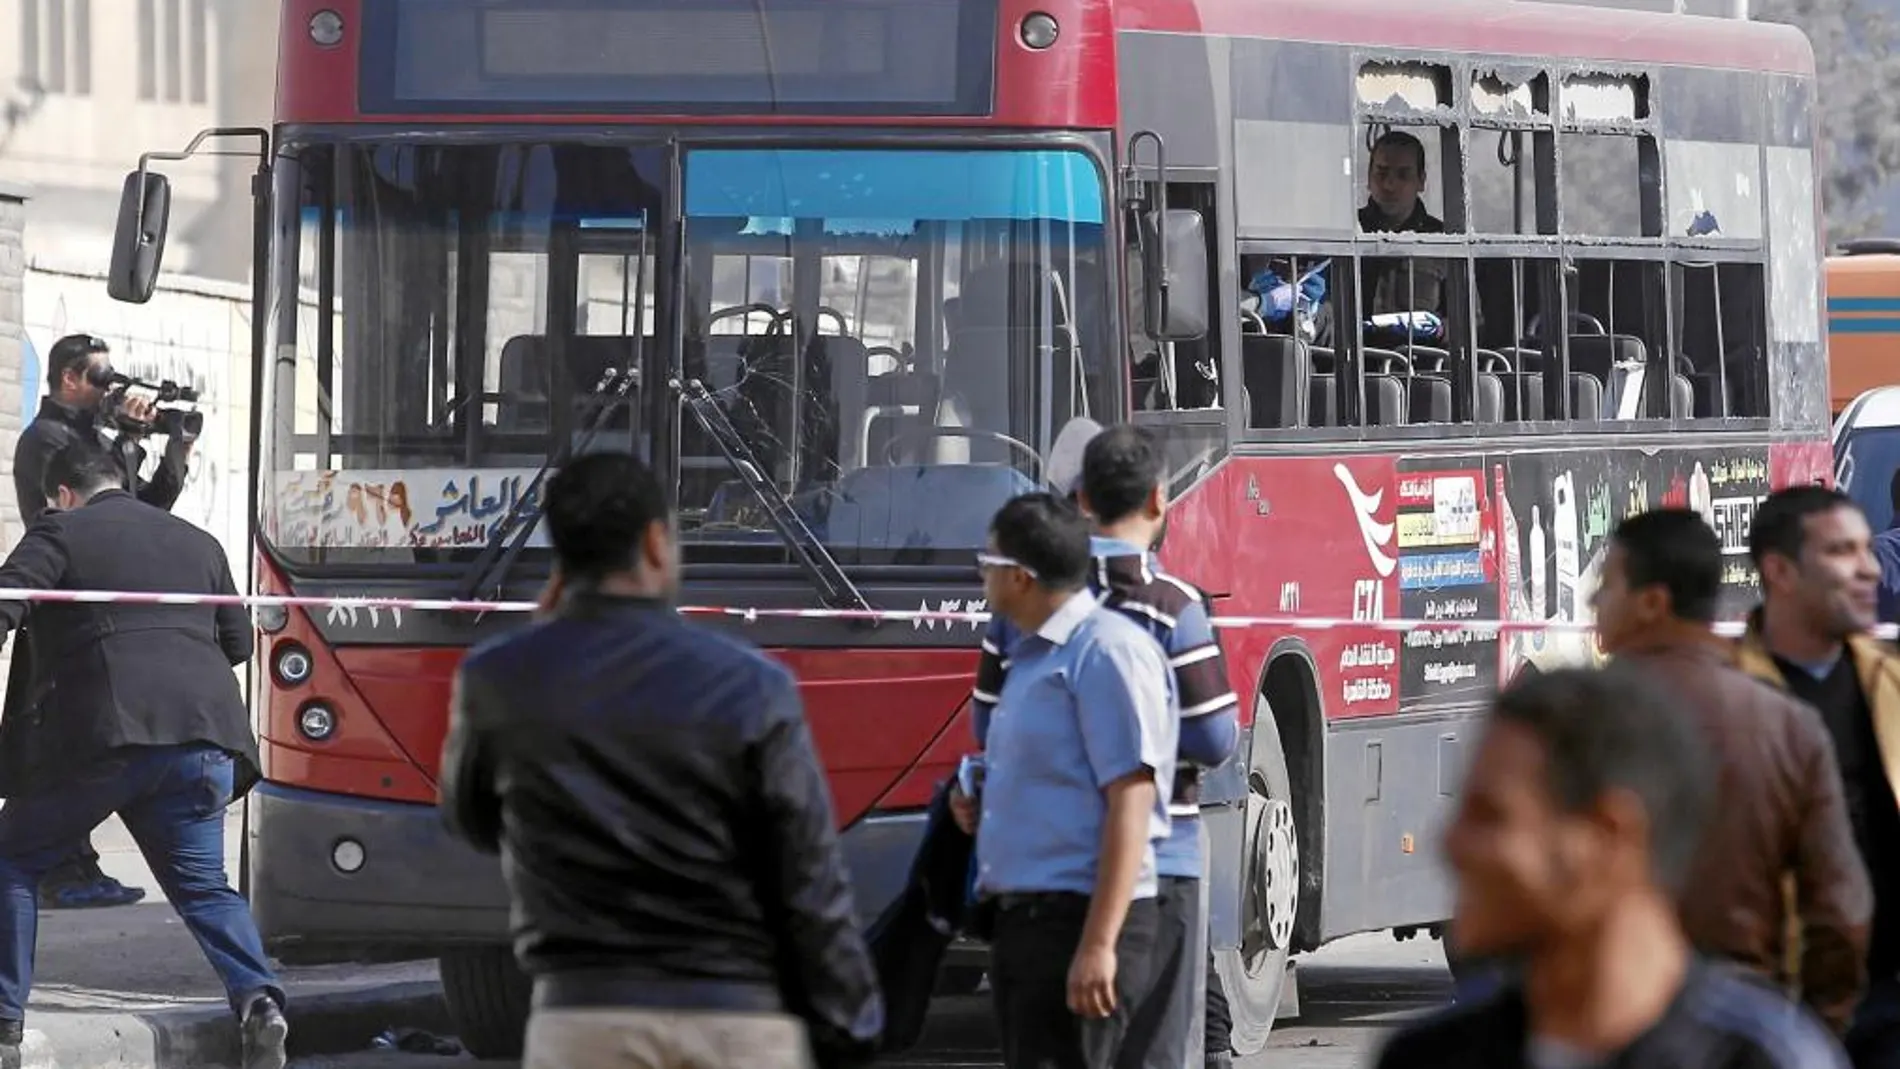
[1035, 940]
[1220, 1019]
[1158, 1031]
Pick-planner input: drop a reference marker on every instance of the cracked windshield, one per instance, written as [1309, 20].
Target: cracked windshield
[876, 348]
[890, 342]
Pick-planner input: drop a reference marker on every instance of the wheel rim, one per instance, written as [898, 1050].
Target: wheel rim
[1280, 865]
[1273, 887]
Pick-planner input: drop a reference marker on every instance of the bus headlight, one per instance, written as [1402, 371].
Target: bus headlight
[293, 665]
[326, 28]
[1039, 30]
[316, 722]
[271, 618]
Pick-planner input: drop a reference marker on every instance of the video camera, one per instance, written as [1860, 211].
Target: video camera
[172, 416]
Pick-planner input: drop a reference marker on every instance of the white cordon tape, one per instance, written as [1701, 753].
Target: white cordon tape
[751, 615]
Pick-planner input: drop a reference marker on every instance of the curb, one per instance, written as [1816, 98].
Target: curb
[333, 1023]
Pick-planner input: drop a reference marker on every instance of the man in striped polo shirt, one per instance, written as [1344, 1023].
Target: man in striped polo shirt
[1123, 486]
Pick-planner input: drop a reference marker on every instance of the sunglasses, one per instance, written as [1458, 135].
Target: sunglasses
[987, 561]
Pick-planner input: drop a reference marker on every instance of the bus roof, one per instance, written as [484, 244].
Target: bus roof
[1507, 27]
[1073, 84]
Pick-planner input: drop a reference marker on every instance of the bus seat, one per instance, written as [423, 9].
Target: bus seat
[850, 364]
[1385, 401]
[921, 506]
[1490, 397]
[1427, 358]
[898, 403]
[524, 385]
[1523, 396]
[1597, 354]
[1523, 358]
[525, 373]
[1682, 396]
[1430, 399]
[1586, 397]
[1277, 373]
[722, 364]
[1322, 401]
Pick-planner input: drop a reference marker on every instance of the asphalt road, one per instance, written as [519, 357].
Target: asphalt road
[1351, 994]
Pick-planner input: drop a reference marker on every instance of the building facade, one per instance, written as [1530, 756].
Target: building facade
[87, 85]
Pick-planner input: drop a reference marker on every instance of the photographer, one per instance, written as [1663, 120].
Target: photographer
[79, 398]
[140, 702]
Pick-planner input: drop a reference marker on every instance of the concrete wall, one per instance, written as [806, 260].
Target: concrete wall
[12, 315]
[197, 333]
[12, 332]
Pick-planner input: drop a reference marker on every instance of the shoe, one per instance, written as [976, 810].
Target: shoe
[1220, 1059]
[12, 1035]
[97, 893]
[264, 1032]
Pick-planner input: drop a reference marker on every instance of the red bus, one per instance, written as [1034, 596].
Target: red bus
[845, 269]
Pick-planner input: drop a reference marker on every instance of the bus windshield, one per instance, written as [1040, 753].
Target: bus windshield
[897, 336]
[884, 343]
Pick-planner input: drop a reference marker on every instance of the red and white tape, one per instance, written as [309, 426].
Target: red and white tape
[753, 614]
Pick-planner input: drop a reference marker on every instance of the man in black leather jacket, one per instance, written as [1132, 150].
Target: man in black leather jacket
[69, 414]
[664, 826]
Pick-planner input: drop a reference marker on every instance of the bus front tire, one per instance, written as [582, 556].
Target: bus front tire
[488, 998]
[1255, 973]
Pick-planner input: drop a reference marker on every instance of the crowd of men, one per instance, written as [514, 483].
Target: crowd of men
[710, 924]
[1681, 858]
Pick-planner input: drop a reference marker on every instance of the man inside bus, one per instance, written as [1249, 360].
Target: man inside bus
[70, 413]
[1395, 182]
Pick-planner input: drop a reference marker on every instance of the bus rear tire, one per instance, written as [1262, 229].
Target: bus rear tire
[488, 998]
[1255, 973]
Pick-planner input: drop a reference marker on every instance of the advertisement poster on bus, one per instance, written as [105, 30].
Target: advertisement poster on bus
[1556, 512]
[1447, 571]
[414, 509]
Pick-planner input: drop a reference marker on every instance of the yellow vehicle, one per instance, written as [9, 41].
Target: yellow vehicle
[1863, 319]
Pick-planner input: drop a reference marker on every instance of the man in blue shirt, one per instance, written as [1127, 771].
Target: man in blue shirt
[1079, 766]
[1123, 485]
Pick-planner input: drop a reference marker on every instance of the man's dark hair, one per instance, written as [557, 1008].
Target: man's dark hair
[1401, 139]
[598, 509]
[83, 468]
[1618, 728]
[1676, 550]
[1048, 536]
[1120, 468]
[73, 351]
[1780, 523]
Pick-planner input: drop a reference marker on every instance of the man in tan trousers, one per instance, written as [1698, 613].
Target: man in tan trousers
[680, 898]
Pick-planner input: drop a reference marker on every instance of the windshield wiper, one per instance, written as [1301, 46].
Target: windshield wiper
[620, 382]
[835, 588]
[614, 386]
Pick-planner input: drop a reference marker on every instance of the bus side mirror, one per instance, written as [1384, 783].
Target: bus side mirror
[1180, 310]
[138, 245]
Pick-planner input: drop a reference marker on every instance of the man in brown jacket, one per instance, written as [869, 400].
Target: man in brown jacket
[1820, 582]
[1779, 808]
